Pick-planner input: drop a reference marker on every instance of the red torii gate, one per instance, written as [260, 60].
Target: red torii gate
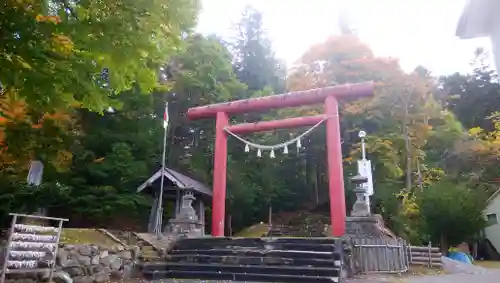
[328, 95]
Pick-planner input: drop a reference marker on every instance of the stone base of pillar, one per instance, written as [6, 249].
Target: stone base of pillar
[367, 227]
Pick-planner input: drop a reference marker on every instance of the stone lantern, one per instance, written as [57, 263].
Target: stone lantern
[361, 207]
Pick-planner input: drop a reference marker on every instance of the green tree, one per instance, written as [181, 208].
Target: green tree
[472, 97]
[254, 61]
[451, 213]
[53, 52]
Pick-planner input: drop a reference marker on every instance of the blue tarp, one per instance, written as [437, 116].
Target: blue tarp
[460, 256]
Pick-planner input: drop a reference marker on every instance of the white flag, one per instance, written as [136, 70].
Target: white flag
[365, 170]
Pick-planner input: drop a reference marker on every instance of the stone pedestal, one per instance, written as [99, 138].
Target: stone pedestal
[367, 227]
[186, 223]
[361, 207]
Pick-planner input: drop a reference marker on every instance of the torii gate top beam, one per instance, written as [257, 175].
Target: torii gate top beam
[292, 99]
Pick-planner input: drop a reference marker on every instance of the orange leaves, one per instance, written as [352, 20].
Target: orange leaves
[354, 108]
[23, 135]
[48, 19]
[62, 44]
[12, 108]
[348, 160]
[57, 117]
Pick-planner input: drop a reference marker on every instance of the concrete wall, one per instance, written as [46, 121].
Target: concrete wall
[480, 19]
[492, 232]
[495, 38]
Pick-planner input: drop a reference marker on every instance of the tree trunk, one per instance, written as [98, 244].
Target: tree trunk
[270, 219]
[444, 245]
[407, 150]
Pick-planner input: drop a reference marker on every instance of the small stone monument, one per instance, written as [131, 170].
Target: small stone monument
[186, 223]
[361, 223]
[361, 207]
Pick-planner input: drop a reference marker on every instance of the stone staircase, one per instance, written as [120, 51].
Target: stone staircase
[251, 259]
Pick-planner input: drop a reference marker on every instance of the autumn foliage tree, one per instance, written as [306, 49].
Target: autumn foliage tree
[401, 120]
[53, 57]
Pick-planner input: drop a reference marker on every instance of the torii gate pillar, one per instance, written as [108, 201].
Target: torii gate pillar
[329, 96]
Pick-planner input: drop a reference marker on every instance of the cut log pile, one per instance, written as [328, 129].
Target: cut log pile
[425, 256]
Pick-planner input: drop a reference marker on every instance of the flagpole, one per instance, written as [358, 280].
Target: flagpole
[159, 210]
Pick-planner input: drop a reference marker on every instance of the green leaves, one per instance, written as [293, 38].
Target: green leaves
[52, 64]
[451, 212]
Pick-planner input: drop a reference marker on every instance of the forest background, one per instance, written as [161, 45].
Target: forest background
[83, 87]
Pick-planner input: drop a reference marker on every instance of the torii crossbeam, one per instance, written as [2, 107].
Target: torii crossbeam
[328, 95]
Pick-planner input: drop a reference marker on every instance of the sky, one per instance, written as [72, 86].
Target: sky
[418, 32]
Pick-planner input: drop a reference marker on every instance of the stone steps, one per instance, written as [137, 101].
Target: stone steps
[251, 259]
[244, 277]
[206, 258]
[258, 253]
[149, 254]
[244, 272]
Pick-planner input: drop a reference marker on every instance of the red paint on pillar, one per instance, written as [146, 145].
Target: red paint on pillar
[335, 171]
[219, 175]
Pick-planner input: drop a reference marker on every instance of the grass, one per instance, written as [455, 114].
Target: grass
[488, 264]
[255, 231]
[424, 270]
[85, 236]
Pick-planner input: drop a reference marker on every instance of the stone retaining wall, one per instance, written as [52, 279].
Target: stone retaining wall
[89, 263]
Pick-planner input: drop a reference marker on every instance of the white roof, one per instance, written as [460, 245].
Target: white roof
[476, 18]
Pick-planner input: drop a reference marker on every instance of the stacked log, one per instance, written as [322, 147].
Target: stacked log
[425, 256]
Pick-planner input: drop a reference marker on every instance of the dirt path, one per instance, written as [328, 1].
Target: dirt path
[492, 276]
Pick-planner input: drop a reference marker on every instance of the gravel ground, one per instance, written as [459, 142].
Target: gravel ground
[460, 273]
[456, 273]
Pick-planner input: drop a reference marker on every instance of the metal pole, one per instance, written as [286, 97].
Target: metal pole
[363, 148]
[7, 249]
[159, 214]
[53, 264]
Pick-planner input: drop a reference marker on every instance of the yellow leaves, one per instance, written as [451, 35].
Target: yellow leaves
[49, 19]
[62, 160]
[348, 160]
[475, 132]
[409, 204]
[143, 53]
[99, 160]
[62, 44]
